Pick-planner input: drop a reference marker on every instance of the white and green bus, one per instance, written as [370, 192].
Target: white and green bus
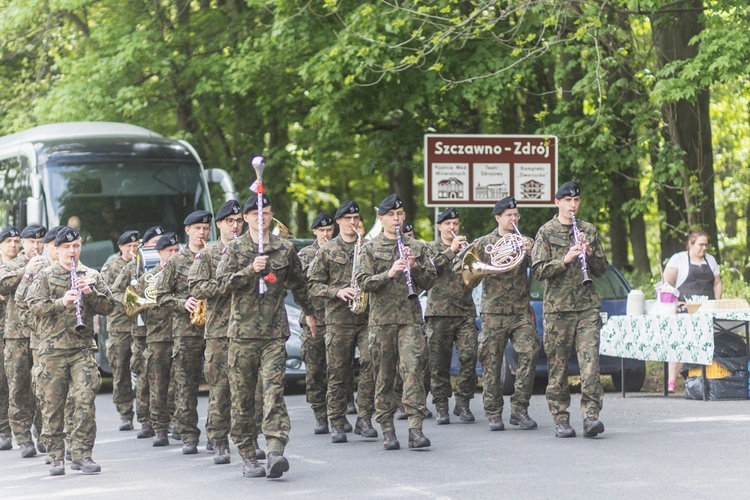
[105, 178]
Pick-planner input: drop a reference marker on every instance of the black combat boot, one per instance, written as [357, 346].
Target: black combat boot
[57, 468]
[277, 465]
[259, 453]
[6, 443]
[443, 418]
[400, 413]
[337, 434]
[146, 431]
[251, 467]
[564, 430]
[364, 428]
[161, 439]
[523, 420]
[417, 439]
[27, 449]
[389, 441]
[189, 448]
[321, 426]
[86, 465]
[496, 424]
[463, 412]
[221, 452]
[351, 409]
[592, 427]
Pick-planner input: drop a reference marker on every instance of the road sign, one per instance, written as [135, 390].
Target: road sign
[478, 170]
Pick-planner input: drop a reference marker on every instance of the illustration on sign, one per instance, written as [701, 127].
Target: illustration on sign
[451, 181]
[529, 181]
[491, 181]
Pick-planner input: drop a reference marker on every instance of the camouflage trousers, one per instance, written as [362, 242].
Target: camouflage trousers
[219, 400]
[398, 349]
[158, 357]
[442, 332]
[139, 367]
[4, 398]
[341, 342]
[22, 412]
[250, 360]
[187, 362]
[561, 332]
[497, 329]
[314, 355]
[63, 374]
[119, 355]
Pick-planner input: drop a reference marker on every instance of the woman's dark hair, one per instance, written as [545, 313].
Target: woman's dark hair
[694, 235]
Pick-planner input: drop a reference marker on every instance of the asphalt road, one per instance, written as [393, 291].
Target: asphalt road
[653, 447]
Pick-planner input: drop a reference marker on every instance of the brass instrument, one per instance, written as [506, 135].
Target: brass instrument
[578, 239]
[280, 230]
[464, 245]
[198, 316]
[505, 254]
[134, 303]
[358, 304]
[80, 326]
[403, 253]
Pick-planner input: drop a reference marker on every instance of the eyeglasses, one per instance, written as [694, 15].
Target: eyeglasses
[511, 216]
[233, 222]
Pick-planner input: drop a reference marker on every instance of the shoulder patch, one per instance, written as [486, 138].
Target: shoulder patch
[223, 250]
[198, 256]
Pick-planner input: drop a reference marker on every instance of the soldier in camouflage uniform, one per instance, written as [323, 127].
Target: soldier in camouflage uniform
[450, 319]
[66, 361]
[258, 330]
[10, 245]
[172, 291]
[396, 339]
[17, 353]
[127, 277]
[203, 285]
[506, 315]
[314, 348]
[119, 329]
[331, 279]
[571, 310]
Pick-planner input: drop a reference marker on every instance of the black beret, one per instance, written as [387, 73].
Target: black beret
[66, 235]
[390, 203]
[323, 219]
[504, 204]
[167, 240]
[570, 188]
[408, 227]
[232, 207]
[448, 214]
[198, 217]
[128, 237]
[152, 232]
[348, 207]
[51, 234]
[34, 231]
[8, 232]
[252, 203]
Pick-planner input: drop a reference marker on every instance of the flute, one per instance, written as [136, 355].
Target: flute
[74, 286]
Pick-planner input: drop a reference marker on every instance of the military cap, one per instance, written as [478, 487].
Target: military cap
[152, 232]
[392, 202]
[128, 237]
[252, 203]
[167, 240]
[323, 219]
[8, 232]
[51, 234]
[408, 227]
[348, 207]
[448, 214]
[34, 231]
[198, 217]
[504, 204]
[570, 188]
[66, 235]
[232, 207]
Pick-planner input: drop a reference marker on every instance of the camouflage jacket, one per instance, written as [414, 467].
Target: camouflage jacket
[22, 300]
[448, 296]
[118, 321]
[11, 275]
[503, 293]
[331, 272]
[121, 283]
[57, 322]
[307, 256]
[158, 319]
[264, 316]
[172, 290]
[204, 285]
[388, 297]
[564, 290]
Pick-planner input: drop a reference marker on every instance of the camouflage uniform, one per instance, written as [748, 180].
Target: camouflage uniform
[451, 318]
[138, 346]
[172, 291]
[120, 338]
[332, 271]
[506, 315]
[67, 366]
[571, 315]
[396, 339]
[314, 349]
[258, 330]
[17, 352]
[4, 394]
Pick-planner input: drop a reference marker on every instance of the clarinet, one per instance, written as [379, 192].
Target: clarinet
[403, 253]
[578, 240]
[79, 309]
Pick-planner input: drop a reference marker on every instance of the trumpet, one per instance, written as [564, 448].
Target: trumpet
[80, 326]
[403, 253]
[464, 244]
[579, 239]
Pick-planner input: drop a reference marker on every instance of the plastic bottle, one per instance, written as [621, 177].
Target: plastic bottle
[636, 303]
